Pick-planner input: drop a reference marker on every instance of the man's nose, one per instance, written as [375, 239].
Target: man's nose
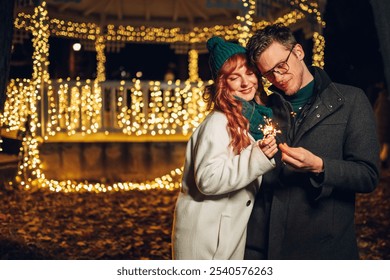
[277, 76]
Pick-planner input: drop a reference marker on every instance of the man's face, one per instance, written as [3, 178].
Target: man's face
[283, 67]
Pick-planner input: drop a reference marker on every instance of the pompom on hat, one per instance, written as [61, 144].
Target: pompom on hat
[220, 51]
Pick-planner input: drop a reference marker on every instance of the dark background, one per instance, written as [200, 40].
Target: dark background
[352, 54]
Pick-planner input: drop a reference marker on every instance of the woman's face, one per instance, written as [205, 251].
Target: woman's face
[242, 82]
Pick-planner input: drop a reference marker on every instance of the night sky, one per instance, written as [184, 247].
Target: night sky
[352, 54]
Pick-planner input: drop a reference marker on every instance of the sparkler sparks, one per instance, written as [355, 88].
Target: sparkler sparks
[268, 128]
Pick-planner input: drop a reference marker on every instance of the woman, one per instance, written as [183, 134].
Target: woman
[225, 159]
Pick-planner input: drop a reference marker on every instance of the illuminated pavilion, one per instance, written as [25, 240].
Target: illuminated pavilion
[41, 110]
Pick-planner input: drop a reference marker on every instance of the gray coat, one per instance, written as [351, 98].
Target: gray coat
[300, 215]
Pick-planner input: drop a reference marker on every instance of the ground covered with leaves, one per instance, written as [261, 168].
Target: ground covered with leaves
[133, 225]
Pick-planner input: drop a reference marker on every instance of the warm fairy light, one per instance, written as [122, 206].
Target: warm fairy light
[310, 7]
[193, 70]
[237, 31]
[76, 106]
[318, 50]
[168, 181]
[246, 25]
[100, 58]
[59, 27]
[175, 109]
[268, 128]
[288, 19]
[16, 107]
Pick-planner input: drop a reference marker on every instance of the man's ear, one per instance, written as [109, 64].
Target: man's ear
[299, 52]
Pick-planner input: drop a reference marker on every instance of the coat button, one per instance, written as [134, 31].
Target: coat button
[318, 115]
[248, 203]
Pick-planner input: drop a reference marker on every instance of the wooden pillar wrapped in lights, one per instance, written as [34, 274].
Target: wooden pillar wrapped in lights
[40, 75]
[100, 45]
[193, 69]
[30, 171]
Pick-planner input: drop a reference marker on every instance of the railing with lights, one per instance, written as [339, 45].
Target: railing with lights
[70, 110]
[77, 109]
[83, 108]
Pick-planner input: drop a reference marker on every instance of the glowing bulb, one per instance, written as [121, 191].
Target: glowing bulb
[76, 47]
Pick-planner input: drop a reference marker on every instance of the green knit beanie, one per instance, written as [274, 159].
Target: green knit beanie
[220, 51]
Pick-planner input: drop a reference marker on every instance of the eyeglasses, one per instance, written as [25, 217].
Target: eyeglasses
[280, 68]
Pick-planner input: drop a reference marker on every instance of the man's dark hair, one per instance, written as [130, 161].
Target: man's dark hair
[263, 38]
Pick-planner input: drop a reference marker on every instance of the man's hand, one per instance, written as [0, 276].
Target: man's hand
[301, 159]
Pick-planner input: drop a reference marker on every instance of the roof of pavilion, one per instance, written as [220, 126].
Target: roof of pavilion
[163, 13]
[181, 14]
[175, 22]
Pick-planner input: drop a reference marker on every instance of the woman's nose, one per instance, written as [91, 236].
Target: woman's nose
[244, 81]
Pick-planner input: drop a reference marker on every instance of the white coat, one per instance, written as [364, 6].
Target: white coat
[217, 193]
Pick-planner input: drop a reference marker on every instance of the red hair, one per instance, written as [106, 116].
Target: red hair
[218, 97]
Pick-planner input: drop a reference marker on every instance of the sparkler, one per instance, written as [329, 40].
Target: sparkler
[268, 128]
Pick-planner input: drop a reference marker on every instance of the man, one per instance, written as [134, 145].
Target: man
[330, 152]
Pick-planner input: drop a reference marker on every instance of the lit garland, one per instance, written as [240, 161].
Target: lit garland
[193, 70]
[132, 119]
[30, 167]
[58, 27]
[246, 21]
[288, 19]
[169, 109]
[91, 31]
[16, 107]
[318, 50]
[310, 7]
[100, 58]
[168, 181]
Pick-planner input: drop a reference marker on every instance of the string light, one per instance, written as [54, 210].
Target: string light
[310, 7]
[131, 34]
[100, 58]
[73, 108]
[246, 21]
[193, 58]
[318, 50]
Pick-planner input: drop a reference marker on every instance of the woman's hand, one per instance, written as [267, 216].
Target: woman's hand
[268, 146]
